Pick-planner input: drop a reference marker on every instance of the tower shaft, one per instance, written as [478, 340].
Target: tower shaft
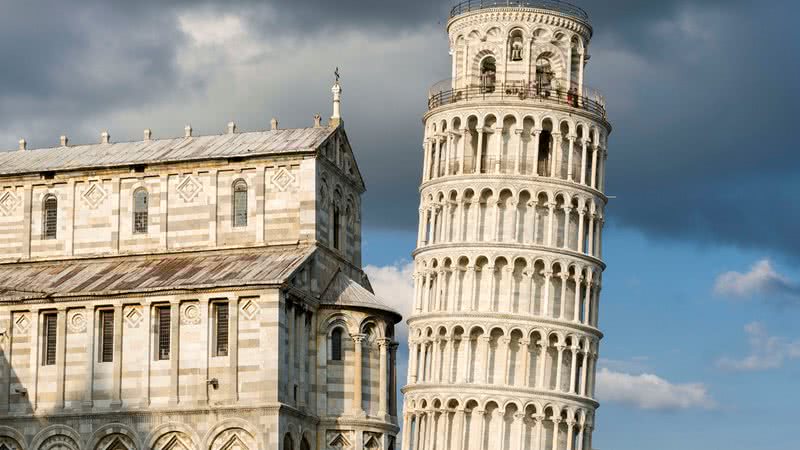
[508, 267]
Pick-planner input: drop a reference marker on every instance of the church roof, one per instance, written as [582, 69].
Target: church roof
[192, 148]
[344, 291]
[151, 273]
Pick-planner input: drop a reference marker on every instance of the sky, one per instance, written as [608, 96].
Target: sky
[702, 292]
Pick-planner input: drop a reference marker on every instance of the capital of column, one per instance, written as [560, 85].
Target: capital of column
[384, 342]
[358, 338]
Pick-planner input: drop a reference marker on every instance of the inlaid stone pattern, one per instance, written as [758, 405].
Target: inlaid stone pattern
[133, 316]
[76, 321]
[22, 323]
[59, 442]
[8, 203]
[189, 188]
[94, 195]
[250, 309]
[283, 179]
[190, 314]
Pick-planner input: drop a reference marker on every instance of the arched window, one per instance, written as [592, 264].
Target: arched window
[488, 74]
[515, 45]
[336, 345]
[304, 445]
[141, 202]
[545, 153]
[337, 227]
[544, 75]
[50, 217]
[287, 442]
[240, 203]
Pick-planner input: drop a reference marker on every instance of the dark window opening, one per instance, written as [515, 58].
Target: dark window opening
[140, 211]
[50, 225]
[336, 345]
[107, 336]
[163, 315]
[240, 204]
[221, 323]
[50, 330]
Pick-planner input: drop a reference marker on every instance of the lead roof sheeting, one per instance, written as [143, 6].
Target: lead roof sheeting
[344, 291]
[105, 276]
[253, 143]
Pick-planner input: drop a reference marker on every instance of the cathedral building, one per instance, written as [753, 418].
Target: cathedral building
[199, 292]
[508, 267]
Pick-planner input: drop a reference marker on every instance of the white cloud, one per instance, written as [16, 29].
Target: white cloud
[651, 392]
[761, 279]
[395, 286]
[766, 352]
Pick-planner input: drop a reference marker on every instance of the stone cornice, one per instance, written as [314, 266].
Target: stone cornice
[506, 319]
[524, 182]
[518, 14]
[494, 392]
[510, 247]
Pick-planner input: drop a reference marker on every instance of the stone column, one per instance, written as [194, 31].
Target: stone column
[492, 273]
[524, 346]
[463, 144]
[504, 349]
[576, 308]
[470, 281]
[538, 431]
[425, 159]
[393, 383]
[513, 203]
[540, 363]
[595, 149]
[447, 360]
[591, 234]
[480, 151]
[431, 430]
[383, 409]
[584, 373]
[458, 429]
[438, 157]
[478, 415]
[459, 220]
[496, 203]
[290, 339]
[570, 430]
[563, 299]
[116, 393]
[520, 424]
[499, 132]
[174, 349]
[485, 345]
[508, 305]
[567, 212]
[414, 363]
[518, 132]
[559, 366]
[406, 431]
[545, 310]
[358, 410]
[587, 300]
[61, 350]
[584, 143]
[580, 437]
[573, 369]
[555, 161]
[581, 216]
[535, 140]
[551, 228]
[556, 432]
[571, 138]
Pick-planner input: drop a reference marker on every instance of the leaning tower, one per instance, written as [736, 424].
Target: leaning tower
[504, 335]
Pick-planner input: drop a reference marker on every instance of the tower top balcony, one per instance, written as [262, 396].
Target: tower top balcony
[550, 6]
[551, 93]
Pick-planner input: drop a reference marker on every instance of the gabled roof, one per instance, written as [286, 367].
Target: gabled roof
[151, 273]
[343, 291]
[195, 148]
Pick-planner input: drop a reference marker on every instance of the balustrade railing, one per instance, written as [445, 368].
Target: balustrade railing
[439, 95]
[552, 5]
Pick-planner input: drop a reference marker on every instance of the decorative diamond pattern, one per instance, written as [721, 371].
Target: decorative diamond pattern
[250, 309]
[282, 179]
[8, 203]
[94, 195]
[22, 324]
[133, 316]
[189, 189]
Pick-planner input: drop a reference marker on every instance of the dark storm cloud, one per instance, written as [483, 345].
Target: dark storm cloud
[702, 95]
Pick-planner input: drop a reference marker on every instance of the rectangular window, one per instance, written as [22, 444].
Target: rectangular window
[50, 329]
[163, 332]
[107, 336]
[221, 329]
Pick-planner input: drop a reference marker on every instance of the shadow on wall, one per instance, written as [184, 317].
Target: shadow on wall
[14, 397]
